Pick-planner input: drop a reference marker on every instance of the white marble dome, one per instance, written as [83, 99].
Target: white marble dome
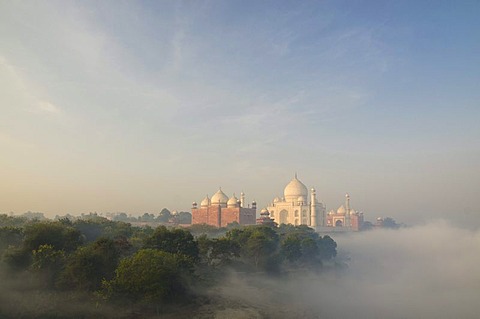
[295, 189]
[341, 210]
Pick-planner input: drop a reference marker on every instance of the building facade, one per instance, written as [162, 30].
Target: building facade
[345, 217]
[299, 207]
[296, 207]
[219, 211]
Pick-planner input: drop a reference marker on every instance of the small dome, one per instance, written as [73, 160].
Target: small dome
[219, 198]
[265, 213]
[341, 210]
[232, 202]
[332, 212]
[295, 189]
[277, 199]
[205, 202]
[302, 199]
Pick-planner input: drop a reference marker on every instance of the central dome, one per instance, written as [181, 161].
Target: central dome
[295, 189]
[219, 198]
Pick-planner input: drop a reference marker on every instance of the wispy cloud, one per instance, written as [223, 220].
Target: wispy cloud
[48, 107]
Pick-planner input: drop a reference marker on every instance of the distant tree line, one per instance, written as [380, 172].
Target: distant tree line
[117, 263]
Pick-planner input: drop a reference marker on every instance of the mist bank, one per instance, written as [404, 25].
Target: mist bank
[428, 271]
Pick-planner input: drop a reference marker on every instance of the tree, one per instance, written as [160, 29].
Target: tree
[55, 234]
[291, 248]
[390, 223]
[217, 251]
[48, 261]
[259, 246]
[310, 252]
[209, 230]
[91, 264]
[150, 275]
[34, 215]
[147, 217]
[10, 236]
[184, 218]
[12, 221]
[121, 217]
[327, 247]
[366, 226]
[175, 241]
[164, 216]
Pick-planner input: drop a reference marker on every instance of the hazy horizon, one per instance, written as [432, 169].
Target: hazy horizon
[135, 106]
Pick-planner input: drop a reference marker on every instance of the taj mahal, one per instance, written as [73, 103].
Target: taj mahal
[297, 206]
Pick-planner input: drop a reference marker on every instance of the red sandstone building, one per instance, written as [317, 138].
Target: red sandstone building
[220, 211]
[345, 217]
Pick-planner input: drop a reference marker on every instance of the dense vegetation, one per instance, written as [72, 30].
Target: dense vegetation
[113, 264]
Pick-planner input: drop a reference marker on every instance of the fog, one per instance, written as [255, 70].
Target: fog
[428, 271]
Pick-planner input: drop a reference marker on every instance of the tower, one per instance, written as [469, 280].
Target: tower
[348, 222]
[313, 208]
[242, 199]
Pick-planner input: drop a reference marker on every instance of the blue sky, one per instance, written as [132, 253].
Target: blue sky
[136, 106]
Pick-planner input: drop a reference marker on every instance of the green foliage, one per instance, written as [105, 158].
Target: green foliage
[367, 226]
[164, 216]
[291, 248]
[184, 218]
[17, 258]
[150, 275]
[48, 261]
[34, 216]
[302, 245]
[147, 217]
[10, 236]
[217, 252]
[11, 221]
[96, 226]
[389, 222]
[91, 264]
[258, 246]
[209, 230]
[327, 248]
[95, 256]
[175, 241]
[47, 257]
[59, 236]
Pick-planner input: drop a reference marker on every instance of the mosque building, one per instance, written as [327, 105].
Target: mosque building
[220, 210]
[295, 208]
[345, 217]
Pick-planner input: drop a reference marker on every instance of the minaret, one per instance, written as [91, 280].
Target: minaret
[242, 199]
[313, 208]
[347, 208]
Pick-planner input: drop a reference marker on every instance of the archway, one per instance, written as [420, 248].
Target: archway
[338, 223]
[283, 217]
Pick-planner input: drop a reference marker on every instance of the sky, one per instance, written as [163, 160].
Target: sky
[123, 106]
